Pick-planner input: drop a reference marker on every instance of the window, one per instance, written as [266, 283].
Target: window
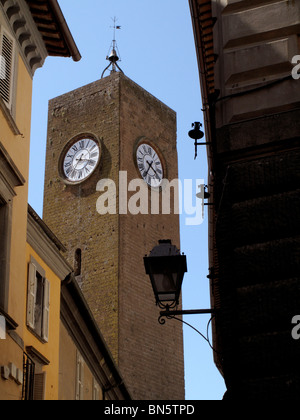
[5, 241]
[79, 377]
[38, 301]
[96, 391]
[28, 378]
[34, 380]
[10, 178]
[7, 52]
[77, 265]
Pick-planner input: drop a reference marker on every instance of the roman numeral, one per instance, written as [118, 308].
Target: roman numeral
[91, 162]
[72, 173]
[93, 148]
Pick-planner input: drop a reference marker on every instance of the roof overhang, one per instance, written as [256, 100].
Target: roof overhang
[53, 28]
[203, 23]
[40, 29]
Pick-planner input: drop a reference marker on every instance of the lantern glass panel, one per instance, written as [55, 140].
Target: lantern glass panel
[165, 286]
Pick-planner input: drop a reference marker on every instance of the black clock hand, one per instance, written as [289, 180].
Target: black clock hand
[79, 160]
[150, 166]
[156, 174]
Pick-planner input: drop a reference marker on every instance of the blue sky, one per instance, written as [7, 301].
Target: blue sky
[157, 51]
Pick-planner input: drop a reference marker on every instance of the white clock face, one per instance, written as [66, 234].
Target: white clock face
[149, 165]
[81, 160]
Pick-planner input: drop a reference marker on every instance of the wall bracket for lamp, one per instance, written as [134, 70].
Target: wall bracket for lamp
[196, 134]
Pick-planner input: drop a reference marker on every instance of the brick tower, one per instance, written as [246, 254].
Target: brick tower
[100, 132]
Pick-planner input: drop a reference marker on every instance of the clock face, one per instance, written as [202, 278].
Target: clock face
[81, 160]
[149, 165]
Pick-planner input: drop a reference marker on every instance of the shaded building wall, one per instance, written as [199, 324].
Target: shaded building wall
[257, 196]
[247, 53]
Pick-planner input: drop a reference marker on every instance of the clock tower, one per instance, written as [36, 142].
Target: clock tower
[111, 142]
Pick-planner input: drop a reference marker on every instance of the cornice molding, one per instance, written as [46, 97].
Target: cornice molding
[22, 25]
[40, 241]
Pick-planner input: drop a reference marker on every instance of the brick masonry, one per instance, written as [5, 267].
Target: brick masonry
[119, 113]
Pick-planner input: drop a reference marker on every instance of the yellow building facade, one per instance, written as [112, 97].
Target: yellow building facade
[50, 346]
[15, 119]
[46, 269]
[22, 50]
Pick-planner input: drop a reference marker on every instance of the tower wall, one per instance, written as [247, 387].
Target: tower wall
[147, 349]
[70, 211]
[118, 113]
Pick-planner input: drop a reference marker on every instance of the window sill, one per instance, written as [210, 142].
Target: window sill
[36, 335]
[9, 118]
[10, 323]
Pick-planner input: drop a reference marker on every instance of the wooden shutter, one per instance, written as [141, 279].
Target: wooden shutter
[39, 386]
[2, 67]
[46, 305]
[2, 328]
[31, 295]
[7, 49]
[79, 377]
[96, 390]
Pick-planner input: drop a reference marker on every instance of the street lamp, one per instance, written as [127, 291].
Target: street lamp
[166, 268]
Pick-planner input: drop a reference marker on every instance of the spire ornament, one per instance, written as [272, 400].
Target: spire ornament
[114, 55]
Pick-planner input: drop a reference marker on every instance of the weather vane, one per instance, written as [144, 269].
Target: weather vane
[114, 54]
